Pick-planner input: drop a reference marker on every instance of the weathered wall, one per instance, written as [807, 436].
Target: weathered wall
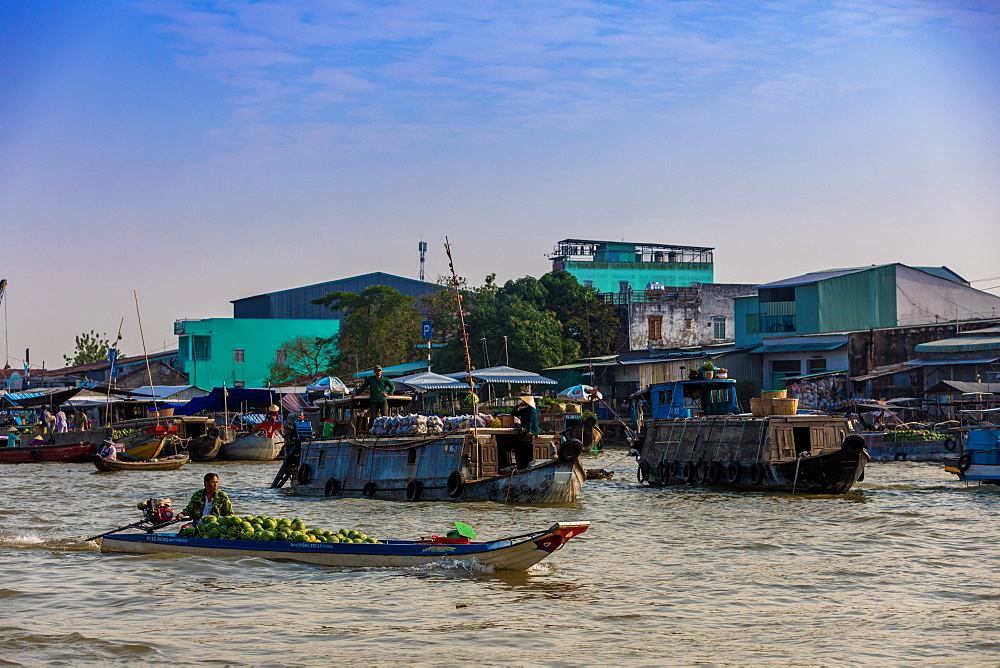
[687, 321]
[881, 347]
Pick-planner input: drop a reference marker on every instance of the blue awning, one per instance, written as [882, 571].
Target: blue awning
[221, 398]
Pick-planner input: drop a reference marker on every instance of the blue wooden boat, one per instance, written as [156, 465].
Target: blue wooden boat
[513, 553]
[980, 457]
[693, 433]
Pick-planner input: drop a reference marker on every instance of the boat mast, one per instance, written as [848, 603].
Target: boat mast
[464, 334]
[149, 372]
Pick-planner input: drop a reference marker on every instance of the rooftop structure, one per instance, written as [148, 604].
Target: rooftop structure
[624, 266]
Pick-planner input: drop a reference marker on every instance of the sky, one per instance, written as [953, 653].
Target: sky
[180, 155]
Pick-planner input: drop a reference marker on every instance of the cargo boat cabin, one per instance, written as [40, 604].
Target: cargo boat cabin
[717, 446]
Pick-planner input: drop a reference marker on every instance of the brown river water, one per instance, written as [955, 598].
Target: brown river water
[903, 570]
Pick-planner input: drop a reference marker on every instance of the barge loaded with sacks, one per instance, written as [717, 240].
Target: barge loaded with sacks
[693, 433]
[428, 458]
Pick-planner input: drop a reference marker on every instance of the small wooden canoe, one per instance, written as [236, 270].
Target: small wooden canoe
[144, 451]
[171, 463]
[30, 454]
[516, 553]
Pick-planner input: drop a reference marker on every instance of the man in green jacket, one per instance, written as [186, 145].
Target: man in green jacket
[379, 389]
[208, 501]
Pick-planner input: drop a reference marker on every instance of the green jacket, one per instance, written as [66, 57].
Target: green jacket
[220, 505]
[379, 389]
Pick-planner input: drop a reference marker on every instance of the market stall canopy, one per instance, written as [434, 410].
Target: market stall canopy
[428, 381]
[580, 393]
[505, 374]
[233, 399]
[396, 370]
[330, 384]
[293, 403]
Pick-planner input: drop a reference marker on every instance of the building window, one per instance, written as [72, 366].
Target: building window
[718, 328]
[588, 284]
[623, 286]
[239, 383]
[816, 365]
[281, 356]
[781, 369]
[238, 356]
[183, 348]
[655, 327]
[201, 348]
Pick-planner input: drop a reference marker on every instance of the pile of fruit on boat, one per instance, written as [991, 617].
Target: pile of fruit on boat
[262, 527]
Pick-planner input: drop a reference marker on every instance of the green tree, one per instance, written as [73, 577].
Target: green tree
[380, 326]
[90, 347]
[587, 319]
[304, 356]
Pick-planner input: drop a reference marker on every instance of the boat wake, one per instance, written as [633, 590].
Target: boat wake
[467, 565]
[29, 540]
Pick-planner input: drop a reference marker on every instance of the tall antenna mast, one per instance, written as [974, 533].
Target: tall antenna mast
[423, 256]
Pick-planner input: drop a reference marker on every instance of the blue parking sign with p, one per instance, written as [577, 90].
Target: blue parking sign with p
[428, 330]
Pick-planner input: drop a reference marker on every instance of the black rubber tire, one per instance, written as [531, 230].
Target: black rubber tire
[950, 445]
[642, 472]
[853, 444]
[700, 473]
[674, 468]
[663, 470]
[964, 462]
[332, 487]
[36, 455]
[685, 471]
[369, 489]
[714, 473]
[570, 450]
[732, 473]
[305, 474]
[414, 490]
[213, 432]
[757, 474]
[456, 484]
[900, 457]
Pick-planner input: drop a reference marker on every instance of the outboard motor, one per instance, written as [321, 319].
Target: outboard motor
[156, 511]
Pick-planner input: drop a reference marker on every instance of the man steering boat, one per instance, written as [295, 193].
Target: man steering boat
[208, 501]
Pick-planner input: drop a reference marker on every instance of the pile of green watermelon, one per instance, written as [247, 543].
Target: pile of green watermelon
[262, 527]
[914, 435]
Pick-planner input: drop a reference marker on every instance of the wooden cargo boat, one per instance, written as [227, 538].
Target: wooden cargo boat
[264, 444]
[807, 454]
[462, 465]
[514, 553]
[64, 452]
[170, 463]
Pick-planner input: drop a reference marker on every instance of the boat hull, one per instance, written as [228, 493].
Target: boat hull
[508, 554]
[66, 452]
[253, 448]
[881, 450]
[809, 455]
[171, 463]
[452, 467]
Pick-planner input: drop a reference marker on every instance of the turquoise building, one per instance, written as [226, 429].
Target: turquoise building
[626, 267]
[237, 352]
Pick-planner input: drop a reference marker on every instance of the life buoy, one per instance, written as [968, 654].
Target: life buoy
[713, 473]
[733, 473]
[456, 484]
[369, 489]
[949, 444]
[674, 467]
[414, 490]
[642, 472]
[900, 457]
[570, 450]
[663, 470]
[36, 455]
[757, 473]
[332, 487]
[700, 472]
[305, 474]
[964, 462]
[213, 432]
[685, 471]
